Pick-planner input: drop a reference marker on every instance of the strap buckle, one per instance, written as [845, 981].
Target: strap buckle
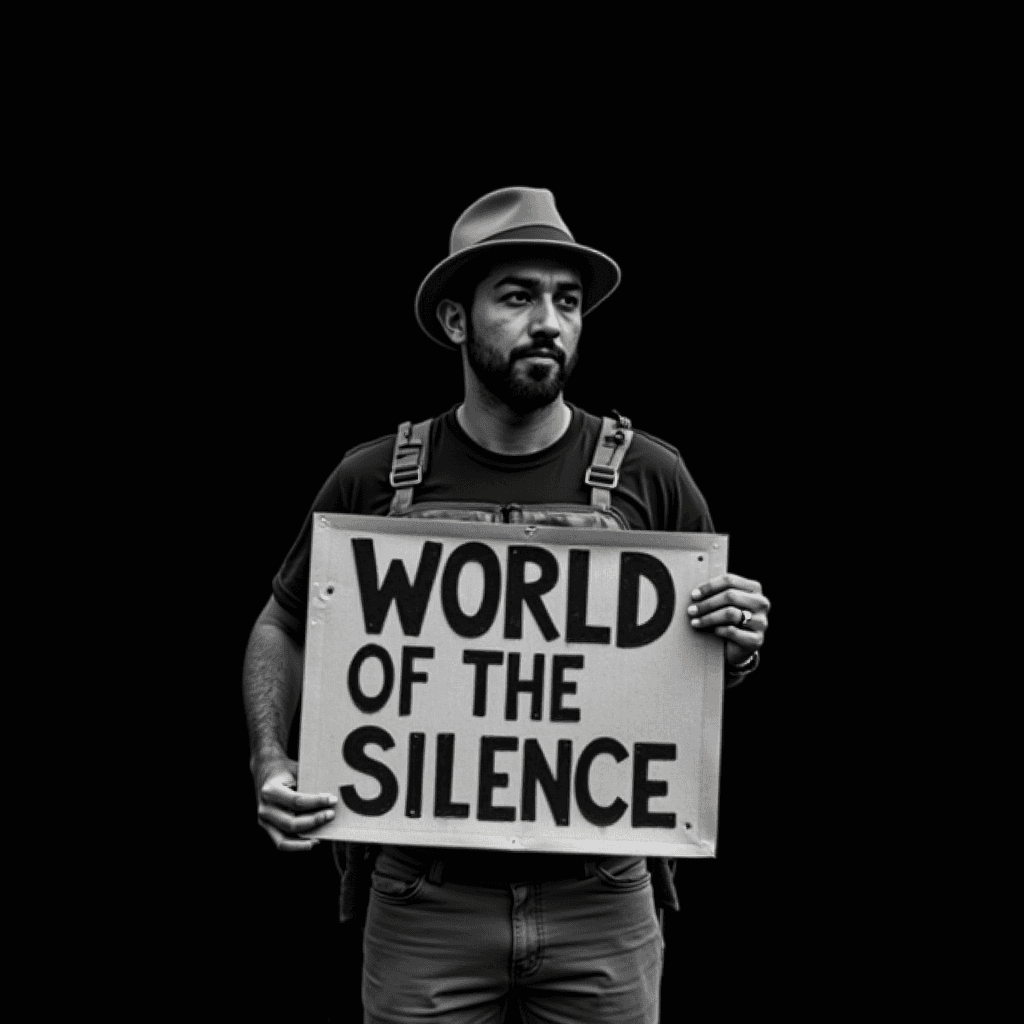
[409, 476]
[601, 476]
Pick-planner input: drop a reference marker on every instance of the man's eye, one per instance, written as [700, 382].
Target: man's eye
[517, 297]
[569, 301]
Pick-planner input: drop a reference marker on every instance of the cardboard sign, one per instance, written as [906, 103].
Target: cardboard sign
[512, 687]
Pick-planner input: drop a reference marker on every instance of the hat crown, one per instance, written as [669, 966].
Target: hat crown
[506, 210]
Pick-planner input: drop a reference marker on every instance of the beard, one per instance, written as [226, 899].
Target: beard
[523, 388]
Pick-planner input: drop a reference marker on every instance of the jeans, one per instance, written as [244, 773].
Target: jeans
[579, 950]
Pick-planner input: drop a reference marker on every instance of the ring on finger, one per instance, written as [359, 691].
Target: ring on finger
[747, 615]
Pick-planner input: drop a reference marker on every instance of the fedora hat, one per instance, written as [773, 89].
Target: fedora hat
[504, 222]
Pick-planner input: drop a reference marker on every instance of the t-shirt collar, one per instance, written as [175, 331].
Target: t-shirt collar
[486, 457]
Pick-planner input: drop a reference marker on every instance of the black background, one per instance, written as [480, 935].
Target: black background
[288, 336]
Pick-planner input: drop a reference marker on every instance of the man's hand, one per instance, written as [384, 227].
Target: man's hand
[722, 604]
[284, 814]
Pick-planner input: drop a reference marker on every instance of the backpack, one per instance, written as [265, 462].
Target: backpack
[409, 464]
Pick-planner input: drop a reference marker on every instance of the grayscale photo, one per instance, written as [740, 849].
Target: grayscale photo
[505, 476]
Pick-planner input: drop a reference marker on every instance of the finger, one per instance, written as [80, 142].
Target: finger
[732, 596]
[292, 823]
[747, 639]
[275, 792]
[729, 579]
[286, 845]
[730, 616]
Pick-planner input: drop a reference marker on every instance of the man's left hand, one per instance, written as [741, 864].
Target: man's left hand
[736, 610]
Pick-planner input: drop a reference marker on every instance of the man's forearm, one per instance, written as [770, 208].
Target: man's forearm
[271, 685]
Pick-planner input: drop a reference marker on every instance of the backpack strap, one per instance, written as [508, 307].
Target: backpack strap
[602, 476]
[354, 862]
[408, 463]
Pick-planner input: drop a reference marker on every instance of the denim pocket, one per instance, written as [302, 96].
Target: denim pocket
[396, 890]
[623, 874]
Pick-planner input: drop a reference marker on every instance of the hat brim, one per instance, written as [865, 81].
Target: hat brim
[602, 277]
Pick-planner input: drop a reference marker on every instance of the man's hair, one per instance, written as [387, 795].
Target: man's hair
[462, 289]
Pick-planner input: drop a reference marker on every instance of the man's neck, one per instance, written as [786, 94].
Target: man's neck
[494, 426]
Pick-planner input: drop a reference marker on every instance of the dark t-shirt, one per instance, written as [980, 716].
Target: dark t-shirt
[655, 490]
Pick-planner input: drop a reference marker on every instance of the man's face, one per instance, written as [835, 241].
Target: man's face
[524, 331]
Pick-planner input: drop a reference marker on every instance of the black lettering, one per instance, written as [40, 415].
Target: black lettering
[515, 686]
[482, 660]
[410, 599]
[480, 622]
[491, 780]
[560, 686]
[517, 590]
[629, 632]
[443, 806]
[355, 758]
[594, 812]
[556, 787]
[576, 628]
[369, 705]
[644, 788]
[414, 787]
[409, 654]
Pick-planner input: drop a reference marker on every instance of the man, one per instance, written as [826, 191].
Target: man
[452, 935]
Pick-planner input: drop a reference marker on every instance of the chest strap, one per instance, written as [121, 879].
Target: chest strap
[408, 463]
[602, 476]
[410, 459]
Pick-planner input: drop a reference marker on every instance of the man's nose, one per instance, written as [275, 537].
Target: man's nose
[545, 319]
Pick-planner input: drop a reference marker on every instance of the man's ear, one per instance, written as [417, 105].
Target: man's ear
[452, 318]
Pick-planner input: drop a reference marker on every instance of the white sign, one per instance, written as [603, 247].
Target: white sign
[512, 687]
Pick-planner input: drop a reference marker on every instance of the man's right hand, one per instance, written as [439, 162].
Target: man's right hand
[284, 814]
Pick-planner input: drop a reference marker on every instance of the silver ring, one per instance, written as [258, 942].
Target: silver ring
[747, 616]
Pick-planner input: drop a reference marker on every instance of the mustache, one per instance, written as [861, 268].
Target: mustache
[550, 350]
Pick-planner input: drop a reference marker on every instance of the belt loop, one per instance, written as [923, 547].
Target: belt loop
[589, 867]
[435, 872]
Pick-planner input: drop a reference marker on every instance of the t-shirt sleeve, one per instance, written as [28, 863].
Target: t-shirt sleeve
[291, 584]
[692, 512]
[657, 491]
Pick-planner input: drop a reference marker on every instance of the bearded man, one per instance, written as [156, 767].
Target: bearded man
[459, 935]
